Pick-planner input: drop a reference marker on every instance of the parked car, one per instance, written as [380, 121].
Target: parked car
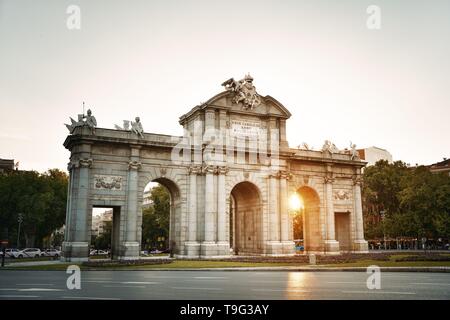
[27, 253]
[10, 253]
[99, 253]
[51, 253]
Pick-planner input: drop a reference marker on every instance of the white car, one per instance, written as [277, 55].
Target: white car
[98, 253]
[27, 253]
[51, 253]
[10, 253]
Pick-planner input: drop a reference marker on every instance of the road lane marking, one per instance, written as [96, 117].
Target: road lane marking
[29, 289]
[18, 296]
[193, 288]
[118, 286]
[377, 291]
[210, 278]
[35, 284]
[431, 283]
[139, 282]
[88, 298]
[282, 290]
[39, 289]
[350, 282]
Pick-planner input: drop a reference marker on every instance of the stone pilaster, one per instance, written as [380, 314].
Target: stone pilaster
[223, 244]
[208, 246]
[274, 246]
[331, 245]
[192, 246]
[76, 243]
[288, 245]
[130, 247]
[359, 244]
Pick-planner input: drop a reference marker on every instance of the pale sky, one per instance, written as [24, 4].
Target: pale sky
[388, 88]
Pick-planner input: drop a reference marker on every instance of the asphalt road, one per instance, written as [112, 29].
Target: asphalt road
[228, 285]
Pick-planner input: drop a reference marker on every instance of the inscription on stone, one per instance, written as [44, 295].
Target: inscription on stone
[245, 128]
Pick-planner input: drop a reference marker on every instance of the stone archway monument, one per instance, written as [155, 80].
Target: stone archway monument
[230, 177]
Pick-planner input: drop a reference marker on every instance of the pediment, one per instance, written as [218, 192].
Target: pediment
[268, 106]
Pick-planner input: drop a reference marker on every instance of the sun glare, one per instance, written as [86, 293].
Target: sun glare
[295, 202]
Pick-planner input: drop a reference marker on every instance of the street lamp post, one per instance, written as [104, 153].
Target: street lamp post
[20, 220]
[382, 212]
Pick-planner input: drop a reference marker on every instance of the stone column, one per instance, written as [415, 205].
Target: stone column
[288, 246]
[283, 206]
[130, 248]
[223, 244]
[273, 207]
[274, 246]
[359, 243]
[331, 245]
[208, 246]
[76, 243]
[192, 246]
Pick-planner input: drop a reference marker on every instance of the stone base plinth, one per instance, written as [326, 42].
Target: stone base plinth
[208, 249]
[288, 247]
[75, 251]
[223, 249]
[274, 248]
[331, 247]
[129, 251]
[191, 249]
[361, 246]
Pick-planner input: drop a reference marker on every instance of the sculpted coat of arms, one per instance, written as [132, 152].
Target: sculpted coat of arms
[244, 91]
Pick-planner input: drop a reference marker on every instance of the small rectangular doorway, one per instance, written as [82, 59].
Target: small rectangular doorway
[105, 232]
[342, 227]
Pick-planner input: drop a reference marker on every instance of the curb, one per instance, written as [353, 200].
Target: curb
[271, 269]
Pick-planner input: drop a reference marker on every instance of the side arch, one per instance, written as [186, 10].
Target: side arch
[246, 218]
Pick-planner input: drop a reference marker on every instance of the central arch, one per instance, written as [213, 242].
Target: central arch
[174, 211]
[245, 218]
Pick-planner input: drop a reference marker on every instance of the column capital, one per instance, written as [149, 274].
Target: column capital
[357, 180]
[285, 175]
[209, 169]
[85, 163]
[328, 179]
[194, 169]
[222, 170]
[71, 165]
[134, 165]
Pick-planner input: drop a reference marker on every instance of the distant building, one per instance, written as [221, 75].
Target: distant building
[373, 154]
[6, 165]
[100, 221]
[146, 201]
[441, 167]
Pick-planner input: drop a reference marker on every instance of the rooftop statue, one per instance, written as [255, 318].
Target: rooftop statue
[83, 120]
[353, 152]
[136, 127]
[329, 147]
[244, 91]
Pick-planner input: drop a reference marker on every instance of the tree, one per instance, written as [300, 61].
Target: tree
[156, 218]
[103, 241]
[41, 198]
[382, 184]
[297, 222]
[415, 202]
